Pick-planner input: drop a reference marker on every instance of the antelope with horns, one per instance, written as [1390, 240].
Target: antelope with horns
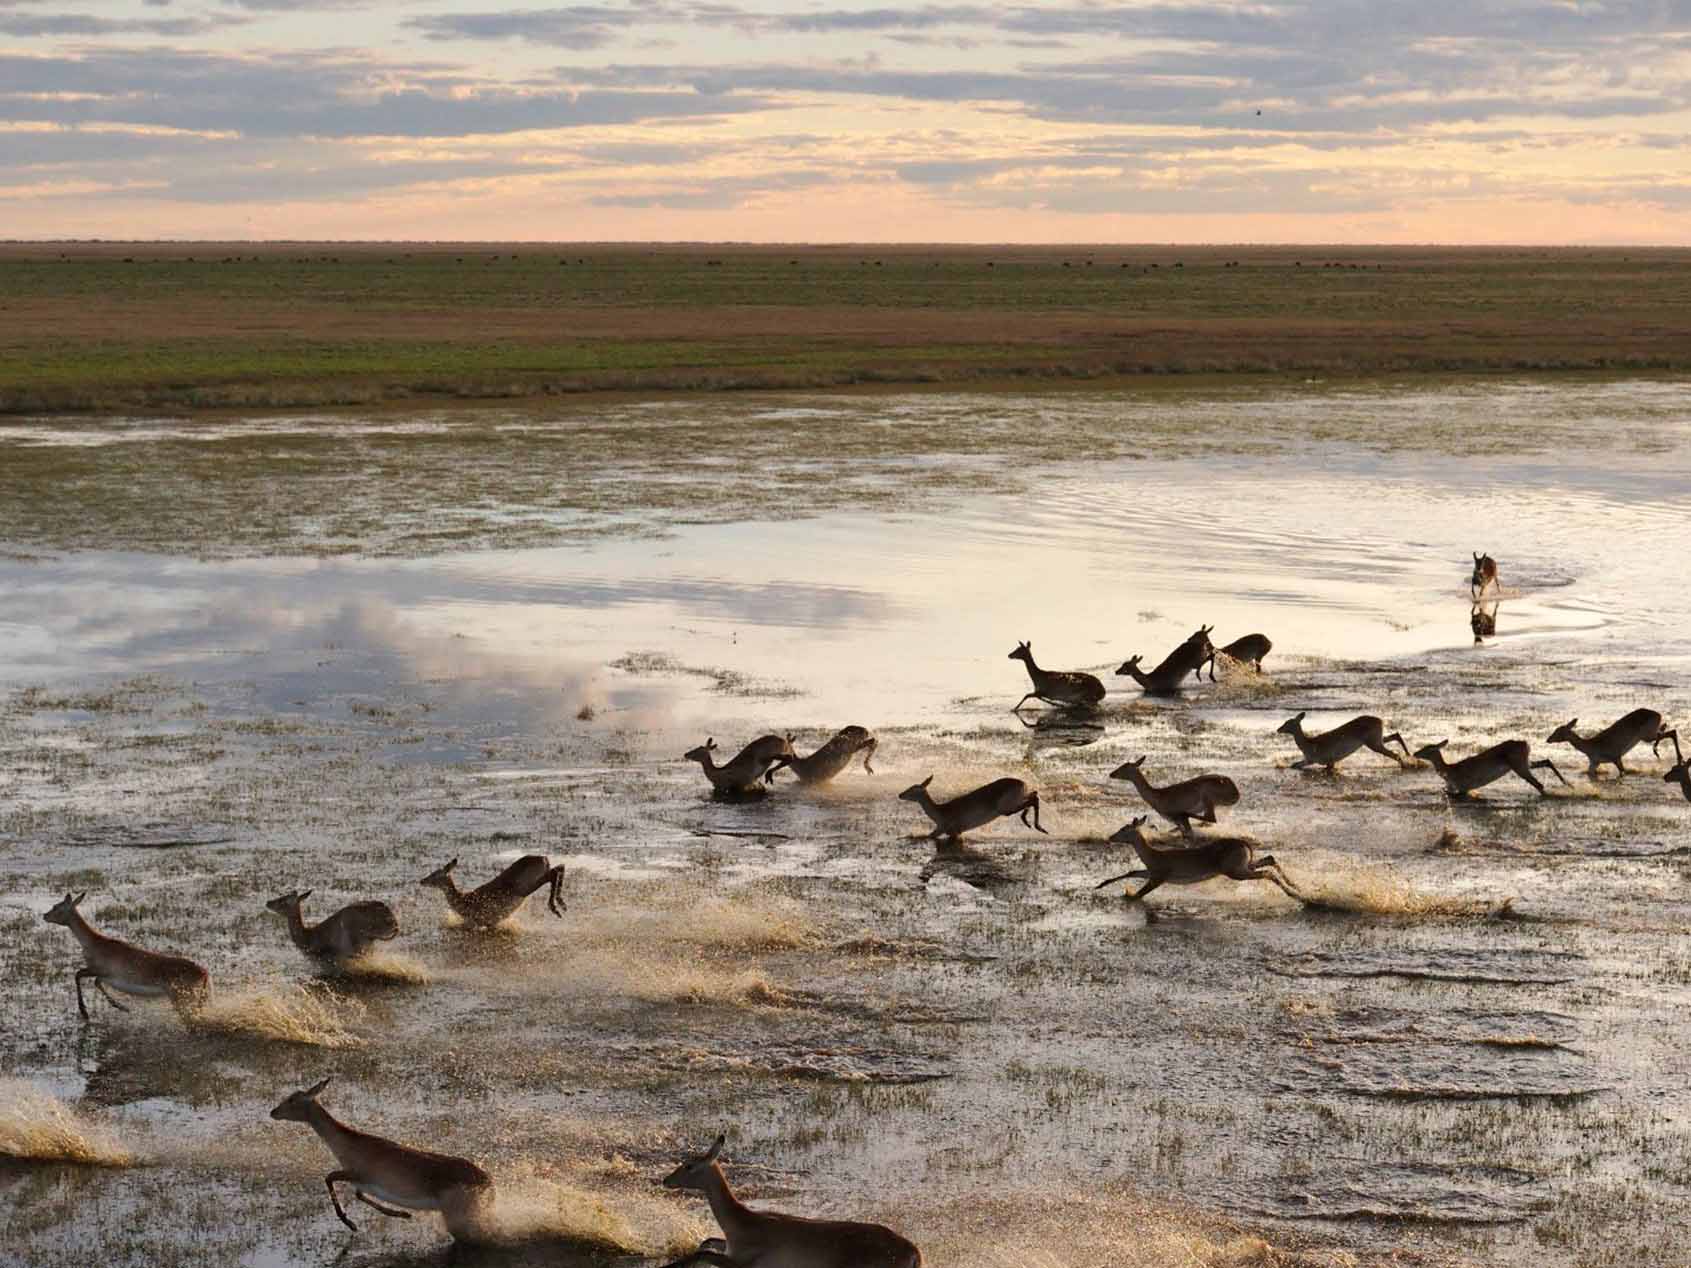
[115, 964]
[770, 1239]
[1183, 802]
[491, 904]
[1511, 756]
[829, 760]
[1065, 688]
[1329, 748]
[1617, 740]
[1232, 857]
[1167, 677]
[1000, 798]
[384, 1171]
[346, 935]
[1247, 651]
[740, 776]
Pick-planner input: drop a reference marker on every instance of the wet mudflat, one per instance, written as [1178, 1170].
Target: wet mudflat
[1468, 1049]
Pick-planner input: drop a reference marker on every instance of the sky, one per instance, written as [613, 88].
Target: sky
[1412, 121]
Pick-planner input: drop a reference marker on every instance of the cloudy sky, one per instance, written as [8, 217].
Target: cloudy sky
[810, 120]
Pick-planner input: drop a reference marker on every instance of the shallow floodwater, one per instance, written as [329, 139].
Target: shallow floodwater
[1469, 1050]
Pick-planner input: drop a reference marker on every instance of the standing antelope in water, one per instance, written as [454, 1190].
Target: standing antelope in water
[740, 776]
[1247, 651]
[346, 935]
[488, 906]
[113, 963]
[1484, 578]
[829, 760]
[1329, 748]
[1232, 857]
[381, 1170]
[997, 800]
[769, 1239]
[1487, 591]
[1511, 756]
[1065, 688]
[1183, 802]
[1167, 677]
[1617, 740]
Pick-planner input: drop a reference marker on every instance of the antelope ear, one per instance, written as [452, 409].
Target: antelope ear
[1141, 819]
[78, 899]
[1572, 723]
[1301, 713]
[450, 866]
[711, 742]
[927, 781]
[317, 1087]
[716, 1147]
[1140, 760]
[302, 896]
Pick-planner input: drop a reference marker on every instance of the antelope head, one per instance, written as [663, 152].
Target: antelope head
[289, 902]
[1291, 726]
[1127, 770]
[1564, 734]
[702, 753]
[441, 877]
[63, 912]
[695, 1172]
[1024, 652]
[1431, 752]
[1129, 664]
[296, 1106]
[1129, 832]
[916, 791]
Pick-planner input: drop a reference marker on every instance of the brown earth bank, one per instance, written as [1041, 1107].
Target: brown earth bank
[117, 326]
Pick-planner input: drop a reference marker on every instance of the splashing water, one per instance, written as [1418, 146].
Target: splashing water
[311, 1014]
[1368, 891]
[38, 1127]
[387, 966]
[535, 1205]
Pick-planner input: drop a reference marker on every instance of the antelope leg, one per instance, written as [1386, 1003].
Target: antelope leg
[1144, 889]
[100, 985]
[553, 903]
[1125, 876]
[1547, 764]
[1395, 736]
[80, 974]
[377, 1206]
[329, 1182]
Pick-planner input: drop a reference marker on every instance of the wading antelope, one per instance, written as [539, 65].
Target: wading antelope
[1232, 857]
[1247, 651]
[1329, 748]
[113, 963]
[1461, 778]
[1617, 740]
[829, 760]
[346, 935]
[1681, 772]
[1183, 802]
[382, 1170]
[997, 800]
[1183, 660]
[1067, 689]
[1485, 576]
[741, 775]
[769, 1239]
[493, 902]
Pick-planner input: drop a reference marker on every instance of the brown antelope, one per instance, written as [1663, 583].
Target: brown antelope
[769, 1239]
[346, 935]
[1329, 748]
[997, 800]
[1183, 660]
[829, 760]
[384, 1171]
[113, 963]
[493, 902]
[740, 776]
[1065, 688]
[1617, 740]
[1680, 773]
[1485, 576]
[1461, 778]
[1247, 651]
[1232, 857]
[1183, 802]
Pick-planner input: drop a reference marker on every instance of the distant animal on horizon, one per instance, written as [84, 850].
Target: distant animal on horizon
[770, 1239]
[346, 935]
[385, 1171]
[1232, 857]
[1065, 688]
[114, 963]
[1329, 748]
[1247, 651]
[829, 760]
[1616, 740]
[740, 776]
[1185, 801]
[997, 800]
[1511, 756]
[1167, 677]
[494, 902]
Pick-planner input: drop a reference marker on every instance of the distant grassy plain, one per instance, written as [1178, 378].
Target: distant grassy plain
[110, 327]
